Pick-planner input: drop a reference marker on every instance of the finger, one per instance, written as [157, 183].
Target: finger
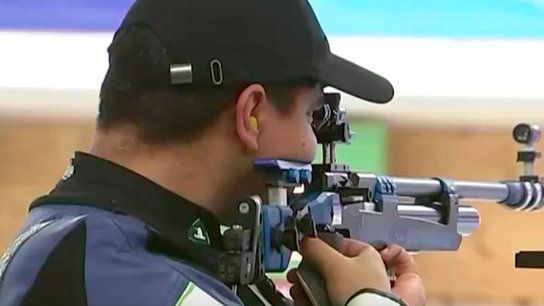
[320, 255]
[299, 296]
[352, 248]
[390, 252]
[292, 276]
[410, 288]
[397, 258]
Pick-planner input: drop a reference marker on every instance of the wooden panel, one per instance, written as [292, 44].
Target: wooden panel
[33, 157]
[483, 269]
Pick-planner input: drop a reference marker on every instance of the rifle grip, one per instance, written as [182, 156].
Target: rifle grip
[311, 280]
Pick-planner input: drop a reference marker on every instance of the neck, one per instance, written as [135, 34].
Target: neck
[188, 170]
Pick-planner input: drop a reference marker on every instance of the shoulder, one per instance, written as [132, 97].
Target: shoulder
[121, 270]
[124, 265]
[86, 257]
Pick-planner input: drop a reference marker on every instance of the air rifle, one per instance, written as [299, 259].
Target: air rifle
[419, 214]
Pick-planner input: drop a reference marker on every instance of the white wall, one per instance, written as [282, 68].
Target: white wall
[449, 81]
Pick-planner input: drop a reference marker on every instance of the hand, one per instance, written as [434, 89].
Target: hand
[408, 285]
[353, 267]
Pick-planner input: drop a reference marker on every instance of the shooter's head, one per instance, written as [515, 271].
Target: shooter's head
[225, 81]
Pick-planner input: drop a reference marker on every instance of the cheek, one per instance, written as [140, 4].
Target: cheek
[309, 145]
[291, 140]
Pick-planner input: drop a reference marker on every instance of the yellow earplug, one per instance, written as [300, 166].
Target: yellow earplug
[254, 122]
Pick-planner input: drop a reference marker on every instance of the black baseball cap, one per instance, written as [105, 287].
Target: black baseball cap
[238, 42]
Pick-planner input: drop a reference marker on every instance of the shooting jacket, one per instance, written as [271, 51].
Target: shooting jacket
[106, 236]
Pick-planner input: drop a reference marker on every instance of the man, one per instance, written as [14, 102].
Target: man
[195, 92]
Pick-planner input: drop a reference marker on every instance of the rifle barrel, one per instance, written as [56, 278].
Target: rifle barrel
[413, 187]
[468, 218]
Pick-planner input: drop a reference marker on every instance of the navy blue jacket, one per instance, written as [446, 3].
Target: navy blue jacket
[106, 236]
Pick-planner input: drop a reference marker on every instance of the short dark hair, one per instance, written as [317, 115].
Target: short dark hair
[137, 89]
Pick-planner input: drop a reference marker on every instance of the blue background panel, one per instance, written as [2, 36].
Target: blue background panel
[446, 18]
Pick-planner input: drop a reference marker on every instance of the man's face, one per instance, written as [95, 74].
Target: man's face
[279, 135]
[289, 135]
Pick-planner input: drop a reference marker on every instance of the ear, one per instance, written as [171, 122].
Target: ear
[246, 105]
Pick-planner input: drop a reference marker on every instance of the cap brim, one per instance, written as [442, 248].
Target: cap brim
[355, 80]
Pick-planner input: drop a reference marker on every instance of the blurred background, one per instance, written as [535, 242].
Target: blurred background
[465, 73]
